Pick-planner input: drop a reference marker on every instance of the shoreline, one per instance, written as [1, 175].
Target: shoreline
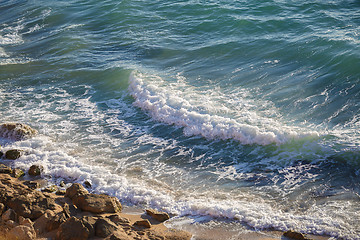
[16, 182]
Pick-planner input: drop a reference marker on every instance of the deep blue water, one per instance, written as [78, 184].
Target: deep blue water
[247, 111]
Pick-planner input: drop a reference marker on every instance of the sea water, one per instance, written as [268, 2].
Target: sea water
[240, 112]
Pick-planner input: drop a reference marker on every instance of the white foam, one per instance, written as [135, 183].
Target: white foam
[197, 112]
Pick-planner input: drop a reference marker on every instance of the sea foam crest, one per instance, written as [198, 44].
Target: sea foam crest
[168, 104]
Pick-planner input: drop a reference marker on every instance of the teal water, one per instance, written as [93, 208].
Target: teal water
[245, 111]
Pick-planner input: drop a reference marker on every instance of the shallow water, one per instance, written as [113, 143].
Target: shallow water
[245, 112]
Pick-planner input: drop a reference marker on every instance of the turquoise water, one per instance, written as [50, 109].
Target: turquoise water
[244, 111]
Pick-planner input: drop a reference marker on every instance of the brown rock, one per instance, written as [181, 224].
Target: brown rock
[31, 184]
[13, 154]
[31, 205]
[119, 220]
[119, 235]
[35, 170]
[294, 235]
[21, 232]
[41, 223]
[87, 184]
[9, 215]
[60, 192]
[89, 223]
[72, 229]
[16, 131]
[159, 216]
[25, 221]
[97, 203]
[143, 223]
[104, 227]
[55, 221]
[76, 189]
[50, 189]
[17, 173]
[5, 169]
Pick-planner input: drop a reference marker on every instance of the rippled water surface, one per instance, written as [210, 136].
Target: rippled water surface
[245, 111]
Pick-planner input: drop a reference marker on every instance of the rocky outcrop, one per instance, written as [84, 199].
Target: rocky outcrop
[16, 131]
[28, 214]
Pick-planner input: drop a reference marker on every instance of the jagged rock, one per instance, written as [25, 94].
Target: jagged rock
[31, 205]
[50, 189]
[5, 169]
[16, 131]
[13, 154]
[104, 227]
[35, 170]
[143, 223]
[41, 223]
[55, 221]
[97, 203]
[89, 223]
[9, 215]
[31, 184]
[17, 173]
[294, 235]
[87, 184]
[72, 229]
[21, 232]
[159, 216]
[76, 189]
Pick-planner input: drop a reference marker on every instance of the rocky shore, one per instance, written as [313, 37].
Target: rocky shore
[28, 213]
[29, 210]
[54, 212]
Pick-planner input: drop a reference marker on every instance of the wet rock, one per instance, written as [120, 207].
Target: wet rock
[31, 184]
[97, 203]
[16, 131]
[143, 223]
[294, 235]
[104, 227]
[1, 154]
[60, 192]
[5, 169]
[76, 189]
[13, 154]
[50, 189]
[21, 232]
[159, 216]
[62, 184]
[17, 173]
[35, 170]
[72, 229]
[87, 184]
[9, 215]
